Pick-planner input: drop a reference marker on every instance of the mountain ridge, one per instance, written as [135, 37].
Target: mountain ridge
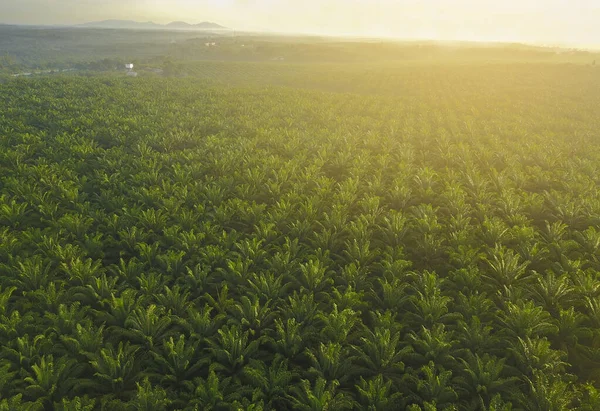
[132, 24]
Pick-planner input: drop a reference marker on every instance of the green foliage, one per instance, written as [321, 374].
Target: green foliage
[416, 237]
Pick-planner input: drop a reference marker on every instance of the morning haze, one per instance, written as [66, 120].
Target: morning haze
[222, 211]
[557, 22]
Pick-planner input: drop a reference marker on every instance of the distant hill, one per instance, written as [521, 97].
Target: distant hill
[179, 25]
[209, 25]
[130, 24]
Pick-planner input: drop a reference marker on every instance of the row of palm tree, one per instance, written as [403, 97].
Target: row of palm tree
[225, 248]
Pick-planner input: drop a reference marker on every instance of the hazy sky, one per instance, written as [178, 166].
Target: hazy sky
[574, 22]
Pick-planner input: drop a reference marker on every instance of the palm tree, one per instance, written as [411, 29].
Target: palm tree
[432, 385]
[360, 252]
[589, 241]
[131, 237]
[4, 299]
[431, 344]
[152, 219]
[16, 403]
[476, 304]
[201, 323]
[505, 269]
[50, 381]
[302, 307]
[380, 352]
[315, 278]
[331, 361]
[236, 271]
[33, 274]
[116, 370]
[590, 400]
[494, 231]
[9, 244]
[497, 404]
[74, 225]
[328, 239]
[7, 378]
[175, 300]
[476, 337]
[14, 325]
[552, 292]
[81, 272]
[525, 319]
[268, 286]
[271, 384]
[354, 275]
[197, 279]
[66, 318]
[26, 351]
[251, 315]
[548, 391]
[377, 394]
[349, 298]
[76, 404]
[321, 397]
[99, 292]
[222, 303]
[289, 338]
[484, 378]
[554, 233]
[148, 326]
[12, 213]
[213, 393]
[393, 294]
[232, 349]
[177, 361]
[571, 330]
[394, 228]
[338, 325]
[152, 283]
[429, 305]
[84, 342]
[149, 398]
[148, 252]
[172, 262]
[586, 285]
[535, 354]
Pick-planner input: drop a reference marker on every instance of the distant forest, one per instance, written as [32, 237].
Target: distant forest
[39, 48]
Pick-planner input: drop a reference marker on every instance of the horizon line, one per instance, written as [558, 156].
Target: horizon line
[308, 33]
